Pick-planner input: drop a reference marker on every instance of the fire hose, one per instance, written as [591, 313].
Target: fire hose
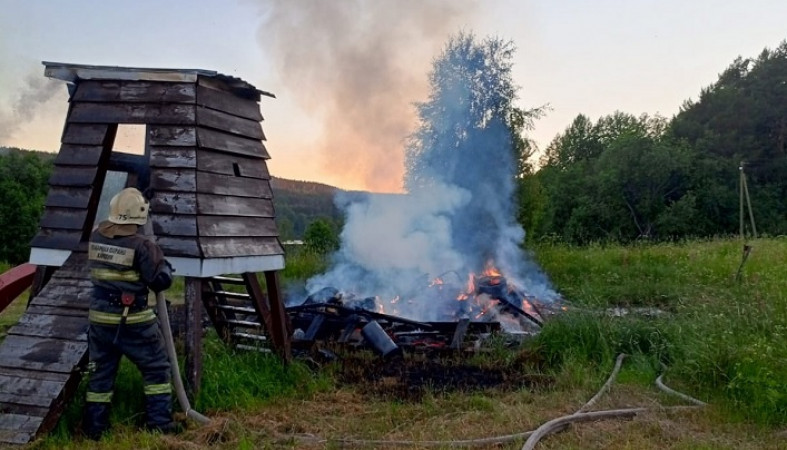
[180, 391]
[534, 436]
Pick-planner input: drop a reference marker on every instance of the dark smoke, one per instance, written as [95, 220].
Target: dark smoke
[358, 65]
[36, 91]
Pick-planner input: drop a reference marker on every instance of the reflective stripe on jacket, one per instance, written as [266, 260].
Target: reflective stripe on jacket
[105, 318]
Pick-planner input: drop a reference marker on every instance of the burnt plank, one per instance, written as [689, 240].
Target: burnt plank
[79, 155]
[218, 184]
[225, 142]
[227, 102]
[179, 246]
[68, 196]
[38, 353]
[180, 180]
[220, 120]
[58, 327]
[73, 176]
[236, 226]
[67, 218]
[174, 225]
[135, 113]
[85, 134]
[222, 247]
[173, 203]
[58, 239]
[135, 91]
[220, 205]
[215, 162]
[173, 157]
[172, 136]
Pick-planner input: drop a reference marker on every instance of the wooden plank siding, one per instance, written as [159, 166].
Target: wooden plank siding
[211, 118]
[173, 157]
[85, 133]
[224, 247]
[133, 113]
[134, 92]
[221, 100]
[176, 136]
[230, 143]
[79, 154]
[239, 165]
[68, 196]
[224, 226]
[211, 183]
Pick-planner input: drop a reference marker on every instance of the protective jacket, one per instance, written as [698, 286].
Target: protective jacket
[123, 266]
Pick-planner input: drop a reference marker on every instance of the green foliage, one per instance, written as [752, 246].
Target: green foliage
[247, 379]
[302, 263]
[24, 180]
[624, 177]
[321, 237]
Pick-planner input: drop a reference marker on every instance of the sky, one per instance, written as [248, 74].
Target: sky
[346, 73]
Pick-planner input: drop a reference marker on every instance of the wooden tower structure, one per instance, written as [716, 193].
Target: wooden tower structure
[202, 163]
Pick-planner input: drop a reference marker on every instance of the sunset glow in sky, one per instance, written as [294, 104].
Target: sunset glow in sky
[346, 73]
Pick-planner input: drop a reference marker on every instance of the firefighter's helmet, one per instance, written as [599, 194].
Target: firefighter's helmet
[128, 206]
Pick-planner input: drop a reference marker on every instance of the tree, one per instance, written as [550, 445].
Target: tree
[320, 237]
[470, 111]
[24, 180]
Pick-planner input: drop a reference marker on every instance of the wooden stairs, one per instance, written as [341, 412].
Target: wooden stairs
[244, 317]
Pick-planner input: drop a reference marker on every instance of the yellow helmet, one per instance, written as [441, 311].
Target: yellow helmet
[128, 206]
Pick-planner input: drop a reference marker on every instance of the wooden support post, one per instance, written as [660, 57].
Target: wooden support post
[271, 310]
[193, 347]
[281, 321]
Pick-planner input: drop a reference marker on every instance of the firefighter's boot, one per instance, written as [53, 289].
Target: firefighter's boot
[96, 420]
[158, 414]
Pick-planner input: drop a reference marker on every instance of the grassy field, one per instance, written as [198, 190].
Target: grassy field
[681, 311]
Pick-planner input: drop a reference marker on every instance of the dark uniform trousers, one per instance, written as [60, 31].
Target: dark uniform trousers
[142, 345]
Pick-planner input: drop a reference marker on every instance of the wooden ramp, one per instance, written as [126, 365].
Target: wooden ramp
[41, 356]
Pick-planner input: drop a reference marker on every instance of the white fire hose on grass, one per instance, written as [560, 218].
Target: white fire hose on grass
[180, 391]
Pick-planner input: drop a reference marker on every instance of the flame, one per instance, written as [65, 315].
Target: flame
[490, 270]
[436, 282]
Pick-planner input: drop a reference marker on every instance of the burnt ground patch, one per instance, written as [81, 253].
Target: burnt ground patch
[410, 377]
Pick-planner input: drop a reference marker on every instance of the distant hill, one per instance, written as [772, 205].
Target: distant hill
[298, 203]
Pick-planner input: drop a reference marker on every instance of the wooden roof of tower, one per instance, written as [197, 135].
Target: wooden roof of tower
[211, 201]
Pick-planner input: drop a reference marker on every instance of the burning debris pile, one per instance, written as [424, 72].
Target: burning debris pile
[449, 250]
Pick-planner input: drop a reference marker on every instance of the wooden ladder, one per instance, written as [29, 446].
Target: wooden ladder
[245, 317]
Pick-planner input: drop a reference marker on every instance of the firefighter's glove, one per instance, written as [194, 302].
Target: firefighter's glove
[163, 279]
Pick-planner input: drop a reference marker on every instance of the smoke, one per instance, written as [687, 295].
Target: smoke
[458, 216]
[36, 91]
[358, 65]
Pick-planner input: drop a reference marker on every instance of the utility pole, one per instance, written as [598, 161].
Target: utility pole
[744, 194]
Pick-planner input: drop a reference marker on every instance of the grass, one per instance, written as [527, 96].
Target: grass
[721, 340]
[723, 337]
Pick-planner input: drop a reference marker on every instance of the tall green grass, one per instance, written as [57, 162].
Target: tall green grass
[723, 338]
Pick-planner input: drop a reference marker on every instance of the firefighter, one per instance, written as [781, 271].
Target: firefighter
[124, 265]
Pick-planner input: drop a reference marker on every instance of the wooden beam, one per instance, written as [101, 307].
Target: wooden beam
[282, 328]
[193, 344]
